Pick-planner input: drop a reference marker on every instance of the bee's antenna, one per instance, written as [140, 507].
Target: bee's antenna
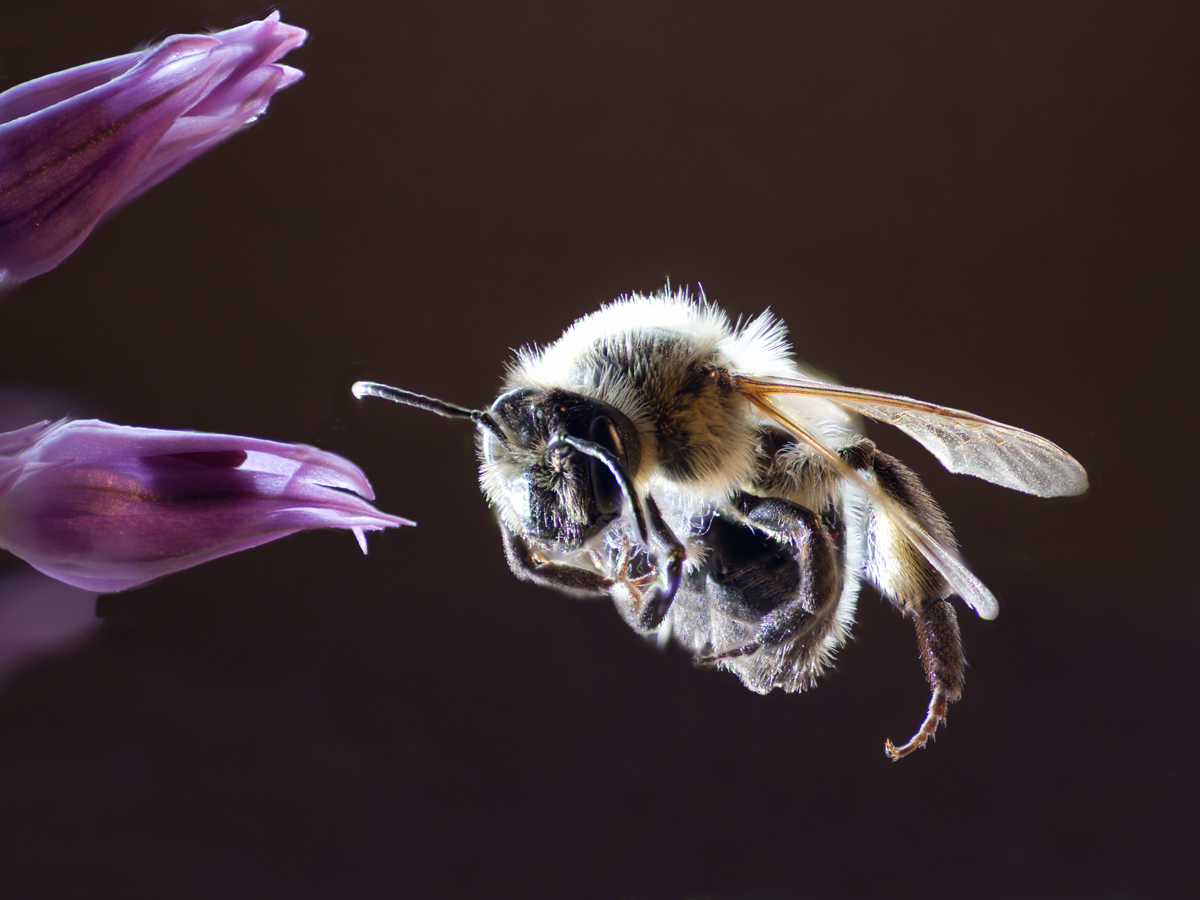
[397, 395]
[480, 417]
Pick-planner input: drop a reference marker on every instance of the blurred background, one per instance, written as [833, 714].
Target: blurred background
[993, 209]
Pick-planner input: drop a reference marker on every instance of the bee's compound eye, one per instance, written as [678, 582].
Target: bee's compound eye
[604, 483]
[520, 415]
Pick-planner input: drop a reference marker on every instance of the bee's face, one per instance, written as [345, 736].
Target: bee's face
[544, 488]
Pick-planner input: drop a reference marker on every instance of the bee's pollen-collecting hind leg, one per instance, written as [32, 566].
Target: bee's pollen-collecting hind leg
[942, 658]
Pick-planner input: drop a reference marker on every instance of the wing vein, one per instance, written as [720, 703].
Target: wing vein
[963, 442]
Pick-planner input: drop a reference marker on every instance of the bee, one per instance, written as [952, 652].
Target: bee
[722, 494]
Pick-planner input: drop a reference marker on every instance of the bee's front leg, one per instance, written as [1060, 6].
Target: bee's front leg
[658, 599]
[528, 565]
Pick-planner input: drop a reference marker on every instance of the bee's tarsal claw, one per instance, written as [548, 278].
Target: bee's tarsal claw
[935, 717]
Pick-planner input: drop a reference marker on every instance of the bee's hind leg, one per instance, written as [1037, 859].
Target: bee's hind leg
[942, 657]
[903, 575]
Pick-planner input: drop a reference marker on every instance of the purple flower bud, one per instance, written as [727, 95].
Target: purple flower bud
[77, 144]
[105, 507]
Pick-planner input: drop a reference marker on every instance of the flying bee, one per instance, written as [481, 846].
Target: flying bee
[722, 493]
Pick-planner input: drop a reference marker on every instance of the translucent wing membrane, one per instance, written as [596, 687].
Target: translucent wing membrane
[963, 442]
[960, 579]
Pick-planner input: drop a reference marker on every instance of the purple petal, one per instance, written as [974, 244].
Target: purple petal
[192, 135]
[22, 438]
[90, 440]
[106, 507]
[34, 96]
[78, 144]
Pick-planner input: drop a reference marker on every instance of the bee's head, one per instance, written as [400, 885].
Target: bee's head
[555, 465]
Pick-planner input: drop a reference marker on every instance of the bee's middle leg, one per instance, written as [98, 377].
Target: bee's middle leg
[802, 535]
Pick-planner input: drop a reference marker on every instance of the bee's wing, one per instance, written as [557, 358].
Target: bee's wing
[963, 442]
[960, 579]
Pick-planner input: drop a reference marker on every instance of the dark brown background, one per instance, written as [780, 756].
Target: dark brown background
[990, 208]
